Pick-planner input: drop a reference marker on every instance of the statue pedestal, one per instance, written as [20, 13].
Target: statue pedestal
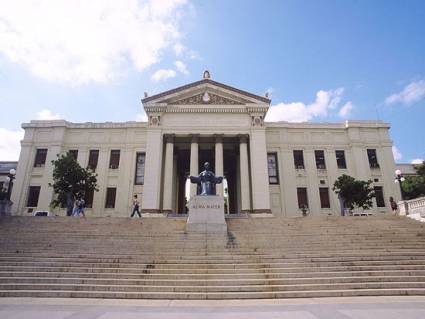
[5, 207]
[206, 214]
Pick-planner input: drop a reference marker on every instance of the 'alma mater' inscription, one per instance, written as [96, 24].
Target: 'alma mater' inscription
[205, 206]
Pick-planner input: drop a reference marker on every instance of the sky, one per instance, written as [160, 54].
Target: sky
[321, 61]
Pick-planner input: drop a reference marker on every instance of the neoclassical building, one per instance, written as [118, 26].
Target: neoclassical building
[270, 169]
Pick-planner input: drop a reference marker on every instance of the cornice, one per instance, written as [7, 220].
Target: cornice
[202, 108]
[341, 125]
[66, 124]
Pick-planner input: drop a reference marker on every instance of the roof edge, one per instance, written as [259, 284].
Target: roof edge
[193, 84]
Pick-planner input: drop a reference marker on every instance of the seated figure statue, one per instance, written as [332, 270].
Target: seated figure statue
[206, 181]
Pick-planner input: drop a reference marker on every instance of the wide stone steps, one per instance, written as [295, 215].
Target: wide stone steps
[215, 295]
[258, 258]
[208, 282]
[195, 289]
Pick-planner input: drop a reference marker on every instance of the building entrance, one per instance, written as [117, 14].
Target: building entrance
[206, 153]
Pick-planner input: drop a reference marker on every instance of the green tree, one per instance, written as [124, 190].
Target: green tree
[355, 193]
[70, 181]
[414, 186]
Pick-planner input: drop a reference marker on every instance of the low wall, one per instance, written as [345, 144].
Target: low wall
[415, 208]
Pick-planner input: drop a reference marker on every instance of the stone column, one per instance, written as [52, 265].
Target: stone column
[259, 172]
[168, 174]
[313, 196]
[219, 171]
[152, 186]
[194, 167]
[23, 174]
[244, 173]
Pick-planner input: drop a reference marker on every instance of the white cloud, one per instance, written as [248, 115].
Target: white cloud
[141, 117]
[179, 48]
[300, 112]
[10, 144]
[417, 161]
[413, 92]
[396, 153]
[163, 74]
[346, 109]
[77, 42]
[47, 115]
[181, 67]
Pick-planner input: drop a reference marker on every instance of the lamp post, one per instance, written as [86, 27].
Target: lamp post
[11, 177]
[399, 178]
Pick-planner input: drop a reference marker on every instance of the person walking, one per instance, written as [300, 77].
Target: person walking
[76, 210]
[135, 206]
[81, 207]
[393, 205]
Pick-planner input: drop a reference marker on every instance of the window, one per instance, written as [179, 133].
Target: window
[324, 197]
[40, 157]
[379, 193]
[111, 193]
[140, 169]
[302, 197]
[373, 160]
[272, 168]
[33, 194]
[114, 161]
[73, 153]
[340, 159]
[298, 159]
[93, 159]
[89, 198]
[320, 159]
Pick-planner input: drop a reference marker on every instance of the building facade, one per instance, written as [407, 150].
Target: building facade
[270, 169]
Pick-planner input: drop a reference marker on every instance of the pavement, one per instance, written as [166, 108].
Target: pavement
[404, 307]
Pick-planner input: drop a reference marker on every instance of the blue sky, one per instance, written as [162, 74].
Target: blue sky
[323, 61]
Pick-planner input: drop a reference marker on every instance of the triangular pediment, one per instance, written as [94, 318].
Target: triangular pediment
[207, 92]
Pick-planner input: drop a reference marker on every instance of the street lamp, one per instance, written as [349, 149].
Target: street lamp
[399, 178]
[11, 177]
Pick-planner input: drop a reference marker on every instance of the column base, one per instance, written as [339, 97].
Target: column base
[246, 211]
[261, 213]
[152, 213]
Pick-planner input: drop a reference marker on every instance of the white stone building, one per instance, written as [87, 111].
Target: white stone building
[269, 167]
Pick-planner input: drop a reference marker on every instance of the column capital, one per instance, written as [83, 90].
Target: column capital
[243, 138]
[218, 138]
[195, 138]
[169, 138]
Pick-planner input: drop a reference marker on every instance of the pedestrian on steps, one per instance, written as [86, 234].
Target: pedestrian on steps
[135, 206]
[81, 207]
[393, 205]
[76, 210]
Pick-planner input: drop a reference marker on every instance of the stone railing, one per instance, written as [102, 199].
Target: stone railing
[412, 207]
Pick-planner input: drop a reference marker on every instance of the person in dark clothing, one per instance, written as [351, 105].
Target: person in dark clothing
[393, 205]
[135, 207]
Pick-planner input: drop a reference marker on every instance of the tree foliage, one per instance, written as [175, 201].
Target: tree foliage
[355, 193]
[70, 178]
[414, 186]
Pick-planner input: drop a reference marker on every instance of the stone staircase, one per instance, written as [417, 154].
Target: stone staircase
[258, 258]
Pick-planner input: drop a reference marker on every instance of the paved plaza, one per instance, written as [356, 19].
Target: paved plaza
[408, 307]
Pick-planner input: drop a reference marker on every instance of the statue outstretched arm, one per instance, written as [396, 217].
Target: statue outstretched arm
[218, 179]
[195, 179]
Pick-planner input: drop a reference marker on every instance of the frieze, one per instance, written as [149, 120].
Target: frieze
[206, 98]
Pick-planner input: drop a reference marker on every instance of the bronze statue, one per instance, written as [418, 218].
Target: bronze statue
[206, 181]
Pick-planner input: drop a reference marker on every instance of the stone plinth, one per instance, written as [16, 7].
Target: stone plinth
[5, 207]
[206, 214]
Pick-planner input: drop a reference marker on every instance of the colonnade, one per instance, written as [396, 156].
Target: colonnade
[168, 182]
